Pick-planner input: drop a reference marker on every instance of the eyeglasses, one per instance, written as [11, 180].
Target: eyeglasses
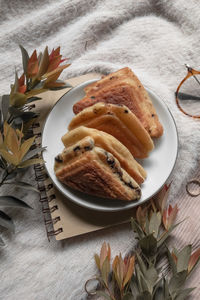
[188, 94]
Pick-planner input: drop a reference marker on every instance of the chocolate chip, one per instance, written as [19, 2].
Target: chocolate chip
[153, 115]
[58, 158]
[77, 148]
[126, 111]
[87, 148]
[111, 161]
[92, 97]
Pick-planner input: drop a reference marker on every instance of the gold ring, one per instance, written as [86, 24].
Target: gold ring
[93, 292]
[193, 181]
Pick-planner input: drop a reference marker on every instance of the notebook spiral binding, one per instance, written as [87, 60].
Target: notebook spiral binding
[41, 176]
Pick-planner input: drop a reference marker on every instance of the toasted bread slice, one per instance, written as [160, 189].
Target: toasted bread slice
[118, 121]
[123, 87]
[110, 144]
[94, 171]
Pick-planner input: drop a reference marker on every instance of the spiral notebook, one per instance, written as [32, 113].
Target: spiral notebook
[63, 218]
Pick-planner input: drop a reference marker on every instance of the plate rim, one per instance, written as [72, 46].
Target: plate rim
[99, 208]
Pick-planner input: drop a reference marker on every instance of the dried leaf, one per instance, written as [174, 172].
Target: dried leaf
[166, 234]
[151, 276]
[128, 297]
[18, 99]
[26, 146]
[23, 185]
[25, 58]
[194, 259]
[171, 262]
[35, 92]
[32, 67]
[136, 228]
[129, 273]
[30, 162]
[169, 216]
[33, 152]
[141, 263]
[43, 66]
[15, 112]
[31, 99]
[4, 106]
[106, 296]
[161, 197]
[28, 115]
[148, 245]
[9, 157]
[154, 223]
[97, 260]
[57, 70]
[10, 201]
[2, 242]
[183, 258]
[11, 141]
[105, 269]
[182, 295]
[177, 282]
[6, 221]
[144, 296]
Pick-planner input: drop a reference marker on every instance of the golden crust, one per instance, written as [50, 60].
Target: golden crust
[123, 87]
[97, 172]
[110, 144]
[118, 121]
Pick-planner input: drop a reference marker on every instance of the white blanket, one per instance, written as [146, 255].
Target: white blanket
[155, 39]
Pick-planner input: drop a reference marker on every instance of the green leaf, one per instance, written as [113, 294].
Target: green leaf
[105, 270]
[144, 296]
[171, 262]
[31, 99]
[134, 286]
[158, 291]
[10, 201]
[148, 245]
[167, 233]
[23, 185]
[33, 152]
[183, 258]
[151, 276]
[14, 111]
[141, 263]
[18, 99]
[128, 297]
[177, 282]
[136, 228]
[154, 223]
[28, 115]
[5, 106]
[25, 58]
[2, 242]
[103, 294]
[30, 162]
[6, 221]
[182, 295]
[57, 88]
[143, 284]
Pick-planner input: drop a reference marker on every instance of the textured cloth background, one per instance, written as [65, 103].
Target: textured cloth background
[155, 39]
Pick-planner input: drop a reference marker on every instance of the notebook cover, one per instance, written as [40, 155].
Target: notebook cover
[68, 219]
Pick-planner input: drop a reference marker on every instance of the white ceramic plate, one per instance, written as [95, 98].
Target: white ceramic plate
[158, 165]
